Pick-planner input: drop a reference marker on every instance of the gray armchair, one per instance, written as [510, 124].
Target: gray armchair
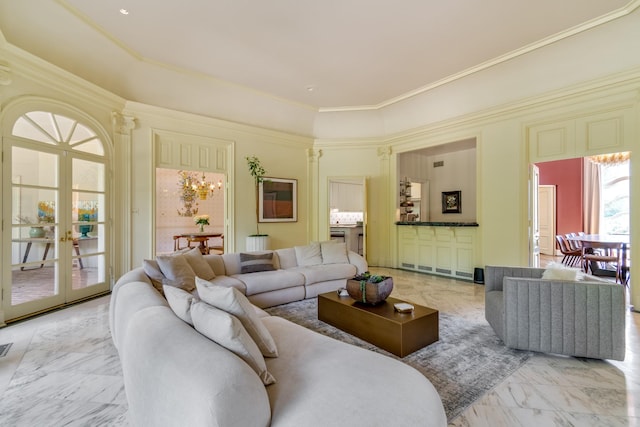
[575, 318]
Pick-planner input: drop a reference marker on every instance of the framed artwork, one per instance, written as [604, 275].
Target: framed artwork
[278, 200]
[451, 201]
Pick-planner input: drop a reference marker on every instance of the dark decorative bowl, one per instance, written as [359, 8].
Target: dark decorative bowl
[370, 289]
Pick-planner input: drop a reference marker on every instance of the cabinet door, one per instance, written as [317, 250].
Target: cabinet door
[426, 249]
[463, 248]
[407, 248]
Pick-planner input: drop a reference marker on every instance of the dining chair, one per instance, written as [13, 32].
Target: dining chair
[176, 243]
[573, 243]
[218, 248]
[571, 256]
[603, 258]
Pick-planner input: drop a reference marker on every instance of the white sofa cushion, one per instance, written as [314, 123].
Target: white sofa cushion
[286, 258]
[233, 302]
[325, 272]
[308, 255]
[180, 302]
[334, 252]
[226, 330]
[267, 281]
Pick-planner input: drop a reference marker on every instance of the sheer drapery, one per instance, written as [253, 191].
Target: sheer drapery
[591, 197]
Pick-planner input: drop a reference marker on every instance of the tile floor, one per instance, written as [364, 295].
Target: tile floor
[63, 370]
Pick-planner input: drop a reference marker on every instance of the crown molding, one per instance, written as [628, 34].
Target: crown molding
[632, 6]
[155, 113]
[31, 67]
[620, 89]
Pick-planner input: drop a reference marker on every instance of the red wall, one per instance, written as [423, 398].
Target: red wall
[567, 176]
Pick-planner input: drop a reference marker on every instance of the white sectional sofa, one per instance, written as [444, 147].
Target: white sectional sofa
[284, 275]
[174, 375]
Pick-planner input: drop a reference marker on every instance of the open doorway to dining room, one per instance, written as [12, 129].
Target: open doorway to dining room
[590, 195]
[183, 197]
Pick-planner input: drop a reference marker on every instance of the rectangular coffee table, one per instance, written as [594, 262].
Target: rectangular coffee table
[382, 326]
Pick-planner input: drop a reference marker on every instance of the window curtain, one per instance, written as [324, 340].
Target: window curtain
[591, 197]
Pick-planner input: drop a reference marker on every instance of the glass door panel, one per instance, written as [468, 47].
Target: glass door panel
[88, 220]
[35, 263]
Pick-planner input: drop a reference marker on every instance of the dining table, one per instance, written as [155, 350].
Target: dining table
[202, 238]
[623, 239]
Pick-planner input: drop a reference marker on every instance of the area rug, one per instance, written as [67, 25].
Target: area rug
[465, 363]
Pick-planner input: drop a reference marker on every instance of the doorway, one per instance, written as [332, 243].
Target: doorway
[177, 205]
[56, 201]
[348, 212]
[547, 219]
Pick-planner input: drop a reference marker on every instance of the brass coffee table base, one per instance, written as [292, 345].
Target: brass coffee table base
[380, 325]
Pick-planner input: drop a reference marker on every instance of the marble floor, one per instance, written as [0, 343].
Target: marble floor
[62, 369]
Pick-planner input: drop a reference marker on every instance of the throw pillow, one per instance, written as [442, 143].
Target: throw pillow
[176, 268]
[152, 270]
[334, 253]
[557, 271]
[308, 255]
[180, 302]
[255, 262]
[226, 330]
[200, 266]
[233, 302]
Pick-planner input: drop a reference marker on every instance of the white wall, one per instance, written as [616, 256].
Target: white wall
[282, 155]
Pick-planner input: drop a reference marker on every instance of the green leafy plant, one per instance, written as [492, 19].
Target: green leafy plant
[371, 278]
[257, 172]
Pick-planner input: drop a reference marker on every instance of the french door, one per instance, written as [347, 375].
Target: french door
[55, 195]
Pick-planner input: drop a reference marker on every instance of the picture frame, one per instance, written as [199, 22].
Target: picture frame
[451, 202]
[278, 200]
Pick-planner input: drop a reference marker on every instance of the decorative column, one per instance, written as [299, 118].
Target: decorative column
[123, 185]
[313, 190]
[385, 241]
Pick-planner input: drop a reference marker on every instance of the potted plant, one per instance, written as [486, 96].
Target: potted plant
[370, 288]
[257, 241]
[201, 221]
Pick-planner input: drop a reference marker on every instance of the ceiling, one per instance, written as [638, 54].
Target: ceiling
[330, 54]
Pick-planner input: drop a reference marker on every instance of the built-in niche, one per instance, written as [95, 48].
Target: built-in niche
[434, 171]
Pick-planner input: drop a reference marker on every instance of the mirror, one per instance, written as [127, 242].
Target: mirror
[347, 212]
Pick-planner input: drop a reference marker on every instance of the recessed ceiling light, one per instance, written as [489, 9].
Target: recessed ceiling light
[124, 11]
[311, 88]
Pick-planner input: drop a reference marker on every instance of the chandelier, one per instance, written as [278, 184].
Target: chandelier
[201, 187]
[611, 159]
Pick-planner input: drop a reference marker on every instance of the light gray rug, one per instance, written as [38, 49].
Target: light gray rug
[465, 363]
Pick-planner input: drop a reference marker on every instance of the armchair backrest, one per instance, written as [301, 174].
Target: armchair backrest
[493, 275]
